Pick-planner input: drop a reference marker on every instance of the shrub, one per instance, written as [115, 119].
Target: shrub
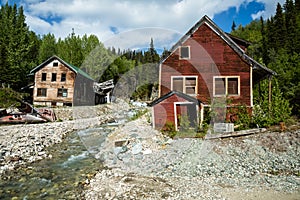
[9, 97]
[265, 115]
[169, 129]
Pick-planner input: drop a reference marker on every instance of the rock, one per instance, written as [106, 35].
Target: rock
[147, 151]
[118, 150]
[137, 148]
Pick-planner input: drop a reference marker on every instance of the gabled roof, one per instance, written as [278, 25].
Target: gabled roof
[239, 40]
[72, 67]
[260, 71]
[180, 94]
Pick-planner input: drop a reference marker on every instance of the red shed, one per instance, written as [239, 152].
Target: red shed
[172, 106]
[209, 65]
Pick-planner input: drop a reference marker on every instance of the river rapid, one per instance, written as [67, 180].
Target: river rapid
[63, 175]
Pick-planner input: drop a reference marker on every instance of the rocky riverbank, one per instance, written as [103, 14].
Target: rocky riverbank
[143, 164]
[26, 143]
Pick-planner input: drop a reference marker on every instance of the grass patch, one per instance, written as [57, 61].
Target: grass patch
[138, 114]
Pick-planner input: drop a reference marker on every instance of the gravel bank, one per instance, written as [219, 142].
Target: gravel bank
[26, 143]
[143, 164]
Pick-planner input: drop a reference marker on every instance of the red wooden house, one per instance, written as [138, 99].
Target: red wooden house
[204, 66]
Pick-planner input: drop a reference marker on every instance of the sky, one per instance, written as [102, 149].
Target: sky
[132, 23]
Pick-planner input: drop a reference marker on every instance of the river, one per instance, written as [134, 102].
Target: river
[61, 177]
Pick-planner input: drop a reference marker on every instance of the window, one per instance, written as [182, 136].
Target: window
[185, 84]
[61, 92]
[44, 76]
[55, 64]
[53, 78]
[232, 86]
[226, 86]
[185, 52]
[41, 92]
[63, 77]
[220, 86]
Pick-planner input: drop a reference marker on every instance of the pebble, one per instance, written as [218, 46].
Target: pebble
[194, 168]
[26, 143]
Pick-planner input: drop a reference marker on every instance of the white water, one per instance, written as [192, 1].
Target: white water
[74, 158]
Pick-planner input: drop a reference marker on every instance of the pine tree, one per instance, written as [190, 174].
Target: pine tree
[290, 20]
[279, 29]
[17, 45]
[48, 47]
[70, 49]
[233, 26]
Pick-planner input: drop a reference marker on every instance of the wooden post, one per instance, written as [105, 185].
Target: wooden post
[270, 94]
[108, 97]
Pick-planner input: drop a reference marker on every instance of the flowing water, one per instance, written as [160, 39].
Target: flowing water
[63, 176]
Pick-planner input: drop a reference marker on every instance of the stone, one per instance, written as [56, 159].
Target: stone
[147, 151]
[137, 148]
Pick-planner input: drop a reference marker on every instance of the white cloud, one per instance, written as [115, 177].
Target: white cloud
[270, 9]
[97, 17]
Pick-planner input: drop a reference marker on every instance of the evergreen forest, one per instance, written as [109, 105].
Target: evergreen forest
[275, 43]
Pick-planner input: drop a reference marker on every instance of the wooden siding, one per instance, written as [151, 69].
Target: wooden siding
[164, 111]
[83, 91]
[52, 86]
[210, 56]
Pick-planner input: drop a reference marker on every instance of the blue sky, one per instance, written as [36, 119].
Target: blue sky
[241, 15]
[131, 23]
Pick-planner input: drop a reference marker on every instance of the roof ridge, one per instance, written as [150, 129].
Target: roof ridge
[172, 92]
[71, 66]
[205, 19]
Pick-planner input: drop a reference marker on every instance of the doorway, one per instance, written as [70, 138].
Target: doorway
[185, 115]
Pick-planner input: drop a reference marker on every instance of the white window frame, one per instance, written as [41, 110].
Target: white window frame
[226, 86]
[184, 86]
[185, 58]
[175, 112]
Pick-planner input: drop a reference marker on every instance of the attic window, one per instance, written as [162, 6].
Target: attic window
[55, 64]
[185, 52]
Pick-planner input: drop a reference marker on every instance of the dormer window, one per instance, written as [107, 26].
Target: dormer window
[185, 52]
[55, 64]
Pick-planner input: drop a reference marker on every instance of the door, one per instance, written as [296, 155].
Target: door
[185, 115]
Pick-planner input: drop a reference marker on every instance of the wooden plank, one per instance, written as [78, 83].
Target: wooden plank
[235, 134]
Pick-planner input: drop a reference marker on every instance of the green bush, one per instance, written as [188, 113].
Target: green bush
[265, 115]
[9, 97]
[241, 117]
[169, 129]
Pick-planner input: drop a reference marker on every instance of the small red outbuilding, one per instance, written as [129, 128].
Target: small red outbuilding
[170, 108]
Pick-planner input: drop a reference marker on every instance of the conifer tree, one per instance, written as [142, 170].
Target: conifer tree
[279, 29]
[48, 47]
[233, 26]
[265, 56]
[290, 20]
[15, 47]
